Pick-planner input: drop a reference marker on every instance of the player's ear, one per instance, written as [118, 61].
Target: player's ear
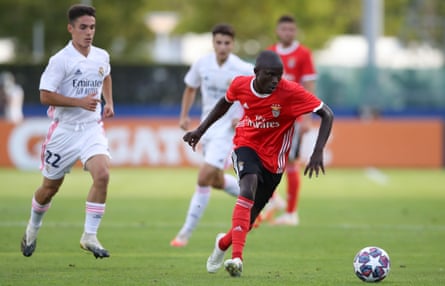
[69, 27]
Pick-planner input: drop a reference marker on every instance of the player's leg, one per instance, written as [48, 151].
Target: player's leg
[290, 216]
[198, 204]
[218, 154]
[263, 195]
[210, 175]
[227, 183]
[41, 202]
[95, 158]
[98, 166]
[274, 205]
[249, 169]
[263, 191]
[58, 156]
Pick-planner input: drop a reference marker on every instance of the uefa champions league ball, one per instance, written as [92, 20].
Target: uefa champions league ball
[371, 264]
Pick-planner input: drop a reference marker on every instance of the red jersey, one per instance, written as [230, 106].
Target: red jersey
[268, 122]
[297, 62]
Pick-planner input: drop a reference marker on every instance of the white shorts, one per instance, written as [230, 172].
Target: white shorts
[217, 151]
[67, 143]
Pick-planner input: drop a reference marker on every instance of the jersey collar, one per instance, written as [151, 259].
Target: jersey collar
[257, 94]
[284, 51]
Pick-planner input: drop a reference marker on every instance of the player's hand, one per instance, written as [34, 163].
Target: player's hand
[184, 123]
[315, 164]
[192, 138]
[108, 110]
[89, 102]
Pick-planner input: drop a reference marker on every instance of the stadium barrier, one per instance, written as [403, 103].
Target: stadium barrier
[157, 142]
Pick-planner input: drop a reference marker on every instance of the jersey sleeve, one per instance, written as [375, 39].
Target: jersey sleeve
[53, 75]
[108, 68]
[104, 57]
[305, 102]
[309, 72]
[192, 77]
[231, 94]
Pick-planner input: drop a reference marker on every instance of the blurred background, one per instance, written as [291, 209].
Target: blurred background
[377, 60]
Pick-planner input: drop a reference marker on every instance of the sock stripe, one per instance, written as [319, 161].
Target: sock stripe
[38, 207]
[245, 203]
[203, 190]
[95, 208]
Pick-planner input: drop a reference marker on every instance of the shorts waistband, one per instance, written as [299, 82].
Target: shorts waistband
[78, 126]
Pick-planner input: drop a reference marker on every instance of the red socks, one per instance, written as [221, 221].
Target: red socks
[240, 227]
[293, 187]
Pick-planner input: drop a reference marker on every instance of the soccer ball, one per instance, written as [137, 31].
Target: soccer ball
[371, 264]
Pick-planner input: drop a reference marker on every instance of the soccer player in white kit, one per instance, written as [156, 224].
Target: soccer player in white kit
[72, 85]
[213, 73]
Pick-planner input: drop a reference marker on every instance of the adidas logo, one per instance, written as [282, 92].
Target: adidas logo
[238, 228]
[78, 72]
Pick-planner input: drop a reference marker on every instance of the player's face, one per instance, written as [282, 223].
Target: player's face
[267, 79]
[82, 31]
[223, 46]
[286, 33]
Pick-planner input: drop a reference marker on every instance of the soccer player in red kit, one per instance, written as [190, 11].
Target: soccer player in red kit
[298, 67]
[262, 141]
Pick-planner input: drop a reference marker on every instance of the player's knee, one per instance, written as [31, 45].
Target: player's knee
[102, 177]
[209, 178]
[204, 181]
[218, 183]
[45, 193]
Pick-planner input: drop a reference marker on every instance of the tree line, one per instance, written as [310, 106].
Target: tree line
[121, 27]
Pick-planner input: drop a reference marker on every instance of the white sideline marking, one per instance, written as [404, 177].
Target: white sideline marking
[376, 175]
[111, 224]
[410, 227]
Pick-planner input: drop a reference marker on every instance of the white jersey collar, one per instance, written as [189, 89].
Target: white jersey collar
[75, 51]
[257, 94]
[287, 50]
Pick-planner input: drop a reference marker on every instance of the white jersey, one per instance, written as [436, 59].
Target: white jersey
[214, 81]
[71, 74]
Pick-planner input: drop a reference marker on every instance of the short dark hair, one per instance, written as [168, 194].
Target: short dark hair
[286, 19]
[268, 59]
[224, 29]
[79, 10]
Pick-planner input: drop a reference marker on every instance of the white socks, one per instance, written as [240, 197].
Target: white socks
[37, 212]
[231, 185]
[93, 216]
[196, 209]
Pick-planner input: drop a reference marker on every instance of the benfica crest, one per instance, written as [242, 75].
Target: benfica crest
[291, 63]
[275, 109]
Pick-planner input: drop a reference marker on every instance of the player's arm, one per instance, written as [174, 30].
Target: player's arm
[316, 161]
[306, 119]
[219, 110]
[88, 102]
[188, 97]
[107, 92]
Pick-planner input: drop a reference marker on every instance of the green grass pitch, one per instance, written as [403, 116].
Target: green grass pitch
[402, 211]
